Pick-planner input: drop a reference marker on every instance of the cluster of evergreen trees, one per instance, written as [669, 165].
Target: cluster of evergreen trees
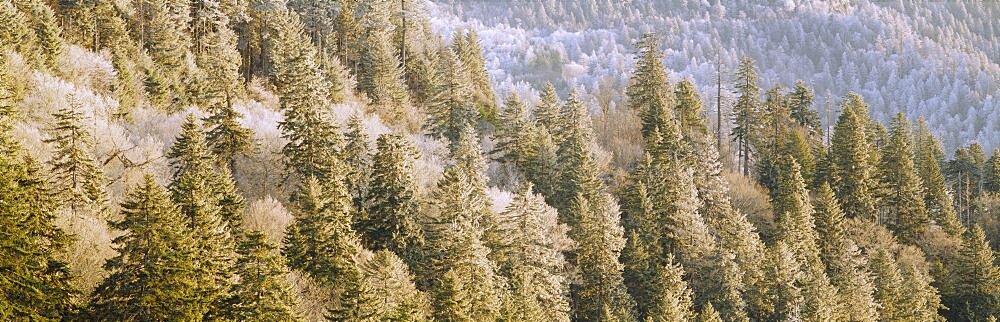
[869, 222]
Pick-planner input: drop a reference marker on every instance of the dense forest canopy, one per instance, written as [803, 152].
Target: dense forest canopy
[413, 160]
[938, 60]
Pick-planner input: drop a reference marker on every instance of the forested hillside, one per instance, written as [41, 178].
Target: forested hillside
[373, 160]
[934, 59]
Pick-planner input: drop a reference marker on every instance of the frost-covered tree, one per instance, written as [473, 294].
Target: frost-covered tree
[532, 259]
[464, 284]
[601, 294]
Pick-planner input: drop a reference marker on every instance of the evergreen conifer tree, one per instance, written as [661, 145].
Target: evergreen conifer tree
[546, 112]
[852, 173]
[195, 192]
[903, 192]
[746, 112]
[977, 280]
[601, 294]
[34, 284]
[390, 220]
[226, 137]
[937, 200]
[471, 54]
[262, 293]
[313, 141]
[800, 104]
[464, 282]
[380, 75]
[451, 109]
[77, 177]
[358, 160]
[388, 291]
[155, 275]
[532, 258]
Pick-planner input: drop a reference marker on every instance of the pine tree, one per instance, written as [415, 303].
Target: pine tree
[390, 220]
[34, 284]
[601, 294]
[888, 287]
[452, 109]
[380, 75]
[348, 34]
[829, 226]
[922, 297]
[313, 141]
[470, 162]
[197, 197]
[745, 112]
[977, 280]
[688, 111]
[578, 172]
[966, 175]
[992, 172]
[464, 283]
[153, 277]
[708, 314]
[388, 291]
[214, 46]
[425, 78]
[337, 76]
[77, 178]
[852, 173]
[672, 298]
[471, 55]
[358, 160]
[855, 287]
[796, 231]
[546, 112]
[648, 88]
[532, 258]
[785, 293]
[262, 293]
[903, 195]
[795, 215]
[15, 33]
[167, 42]
[800, 103]
[541, 161]
[321, 243]
[739, 271]
[512, 144]
[43, 22]
[227, 138]
[937, 200]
